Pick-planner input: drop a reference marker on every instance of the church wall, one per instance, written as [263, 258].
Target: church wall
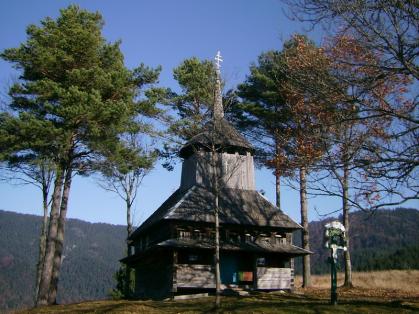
[237, 171]
[274, 278]
[154, 276]
[188, 178]
[195, 276]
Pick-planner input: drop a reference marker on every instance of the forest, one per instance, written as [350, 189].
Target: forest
[92, 252]
[335, 120]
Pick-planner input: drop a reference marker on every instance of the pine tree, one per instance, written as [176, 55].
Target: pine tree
[192, 107]
[73, 100]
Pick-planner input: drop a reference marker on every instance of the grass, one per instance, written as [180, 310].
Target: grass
[401, 280]
[258, 303]
[375, 292]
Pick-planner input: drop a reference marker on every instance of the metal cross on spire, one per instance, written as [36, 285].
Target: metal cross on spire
[218, 59]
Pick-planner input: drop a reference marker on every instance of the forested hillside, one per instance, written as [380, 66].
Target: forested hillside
[385, 239]
[91, 257]
[388, 239]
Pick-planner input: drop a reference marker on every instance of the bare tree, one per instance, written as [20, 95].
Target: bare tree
[386, 33]
[212, 150]
[388, 28]
[39, 173]
[122, 173]
[220, 170]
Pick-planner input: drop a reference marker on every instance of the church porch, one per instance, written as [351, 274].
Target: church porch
[194, 270]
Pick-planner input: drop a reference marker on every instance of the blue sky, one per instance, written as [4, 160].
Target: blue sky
[159, 33]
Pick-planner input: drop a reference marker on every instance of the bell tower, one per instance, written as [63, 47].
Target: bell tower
[235, 154]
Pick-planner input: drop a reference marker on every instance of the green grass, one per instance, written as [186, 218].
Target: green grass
[256, 303]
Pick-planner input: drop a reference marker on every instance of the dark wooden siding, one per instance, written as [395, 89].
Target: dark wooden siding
[153, 276]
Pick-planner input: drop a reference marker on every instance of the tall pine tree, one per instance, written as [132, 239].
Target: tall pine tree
[72, 101]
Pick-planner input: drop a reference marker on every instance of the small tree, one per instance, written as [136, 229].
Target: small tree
[220, 172]
[211, 142]
[39, 173]
[122, 173]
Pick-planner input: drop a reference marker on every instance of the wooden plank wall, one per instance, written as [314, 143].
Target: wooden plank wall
[195, 276]
[153, 279]
[237, 170]
[274, 278]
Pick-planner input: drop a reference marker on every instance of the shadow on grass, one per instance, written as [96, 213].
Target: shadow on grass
[290, 304]
[255, 303]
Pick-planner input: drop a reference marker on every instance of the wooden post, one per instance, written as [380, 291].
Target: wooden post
[333, 279]
[255, 272]
[174, 273]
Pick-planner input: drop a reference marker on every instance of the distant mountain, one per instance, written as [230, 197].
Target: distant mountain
[388, 239]
[385, 239]
[91, 255]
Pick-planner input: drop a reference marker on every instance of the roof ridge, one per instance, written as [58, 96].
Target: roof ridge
[173, 208]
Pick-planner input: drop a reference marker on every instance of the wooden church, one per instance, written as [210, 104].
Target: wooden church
[174, 248]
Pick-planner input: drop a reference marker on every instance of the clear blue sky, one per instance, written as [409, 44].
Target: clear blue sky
[159, 33]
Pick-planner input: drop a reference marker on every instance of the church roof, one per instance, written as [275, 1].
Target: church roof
[262, 247]
[234, 246]
[218, 132]
[244, 207]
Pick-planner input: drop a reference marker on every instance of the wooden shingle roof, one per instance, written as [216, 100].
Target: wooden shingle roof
[218, 132]
[283, 248]
[241, 207]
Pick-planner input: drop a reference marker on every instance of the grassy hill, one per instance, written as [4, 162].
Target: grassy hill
[389, 239]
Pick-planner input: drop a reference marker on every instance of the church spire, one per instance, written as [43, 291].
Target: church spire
[218, 103]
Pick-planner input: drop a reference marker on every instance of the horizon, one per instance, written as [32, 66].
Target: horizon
[312, 221]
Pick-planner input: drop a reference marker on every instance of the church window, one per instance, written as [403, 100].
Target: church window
[249, 237]
[184, 234]
[234, 237]
[261, 261]
[197, 234]
[192, 258]
[279, 239]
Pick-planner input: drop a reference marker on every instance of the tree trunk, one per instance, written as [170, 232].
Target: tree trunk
[42, 241]
[277, 178]
[129, 225]
[278, 189]
[46, 275]
[217, 233]
[345, 210]
[59, 246]
[217, 254]
[305, 238]
[127, 268]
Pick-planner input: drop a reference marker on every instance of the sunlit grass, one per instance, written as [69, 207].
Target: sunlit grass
[402, 280]
[375, 292]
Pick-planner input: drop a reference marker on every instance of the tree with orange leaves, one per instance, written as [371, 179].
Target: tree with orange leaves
[358, 130]
[289, 120]
[381, 40]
